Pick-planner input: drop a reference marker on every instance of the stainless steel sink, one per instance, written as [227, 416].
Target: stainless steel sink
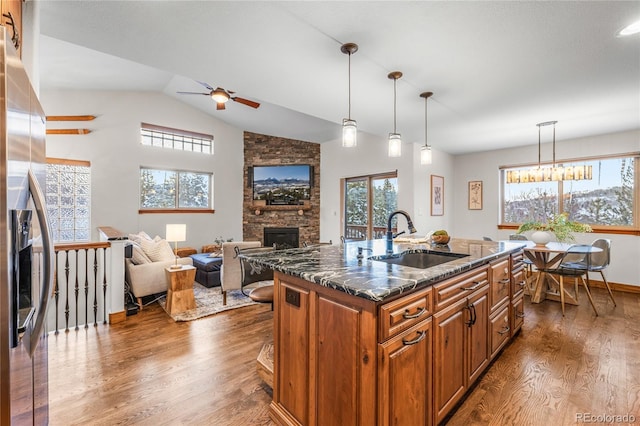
[419, 259]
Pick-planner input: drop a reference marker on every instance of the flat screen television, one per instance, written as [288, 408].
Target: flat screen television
[282, 184]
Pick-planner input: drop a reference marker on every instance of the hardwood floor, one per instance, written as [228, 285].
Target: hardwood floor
[153, 371]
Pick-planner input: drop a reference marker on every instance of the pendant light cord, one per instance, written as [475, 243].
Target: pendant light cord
[394, 104]
[426, 143]
[349, 85]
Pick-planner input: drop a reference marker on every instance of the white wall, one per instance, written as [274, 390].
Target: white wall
[483, 166]
[116, 154]
[370, 157]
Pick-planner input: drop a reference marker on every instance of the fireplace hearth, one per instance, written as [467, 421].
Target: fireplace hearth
[281, 238]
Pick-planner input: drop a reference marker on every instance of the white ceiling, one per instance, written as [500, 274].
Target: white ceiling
[496, 68]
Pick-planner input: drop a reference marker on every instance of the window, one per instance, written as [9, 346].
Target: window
[182, 140]
[162, 190]
[68, 194]
[609, 200]
[368, 201]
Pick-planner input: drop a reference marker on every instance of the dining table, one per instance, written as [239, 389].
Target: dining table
[543, 285]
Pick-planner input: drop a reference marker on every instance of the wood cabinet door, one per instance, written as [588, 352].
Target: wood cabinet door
[291, 366]
[517, 314]
[449, 358]
[405, 377]
[500, 329]
[477, 335]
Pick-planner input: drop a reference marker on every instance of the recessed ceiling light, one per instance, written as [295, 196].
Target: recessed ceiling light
[630, 29]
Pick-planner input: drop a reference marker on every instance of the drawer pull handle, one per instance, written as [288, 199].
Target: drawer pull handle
[505, 330]
[520, 314]
[473, 287]
[522, 283]
[422, 335]
[504, 281]
[418, 314]
[472, 315]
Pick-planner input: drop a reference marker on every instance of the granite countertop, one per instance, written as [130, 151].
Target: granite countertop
[336, 266]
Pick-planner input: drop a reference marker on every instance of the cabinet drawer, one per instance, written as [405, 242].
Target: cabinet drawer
[403, 313]
[517, 314]
[453, 289]
[500, 283]
[500, 330]
[518, 282]
[516, 260]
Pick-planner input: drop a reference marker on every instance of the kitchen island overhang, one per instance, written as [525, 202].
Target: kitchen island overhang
[337, 266]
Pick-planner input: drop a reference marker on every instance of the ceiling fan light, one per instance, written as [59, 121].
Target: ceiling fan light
[630, 29]
[220, 96]
[349, 133]
[395, 145]
[426, 156]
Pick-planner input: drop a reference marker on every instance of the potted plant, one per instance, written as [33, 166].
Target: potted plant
[558, 225]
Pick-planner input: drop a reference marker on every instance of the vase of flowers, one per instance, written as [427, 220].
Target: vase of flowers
[558, 225]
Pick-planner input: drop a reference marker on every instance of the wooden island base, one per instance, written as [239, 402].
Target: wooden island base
[341, 359]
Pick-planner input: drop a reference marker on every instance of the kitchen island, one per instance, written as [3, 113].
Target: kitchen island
[367, 342]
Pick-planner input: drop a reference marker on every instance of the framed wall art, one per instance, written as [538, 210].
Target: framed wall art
[475, 195]
[437, 195]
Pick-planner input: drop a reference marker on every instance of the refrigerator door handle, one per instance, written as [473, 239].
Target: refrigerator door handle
[48, 259]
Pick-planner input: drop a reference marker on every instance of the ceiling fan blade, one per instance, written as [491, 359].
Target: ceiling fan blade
[205, 85]
[247, 102]
[193, 93]
[220, 106]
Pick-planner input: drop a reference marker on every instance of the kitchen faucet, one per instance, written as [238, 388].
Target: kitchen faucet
[390, 233]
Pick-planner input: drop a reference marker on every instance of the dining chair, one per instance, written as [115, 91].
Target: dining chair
[596, 262]
[528, 263]
[570, 265]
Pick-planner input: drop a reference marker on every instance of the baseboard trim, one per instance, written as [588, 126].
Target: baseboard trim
[116, 317]
[627, 288]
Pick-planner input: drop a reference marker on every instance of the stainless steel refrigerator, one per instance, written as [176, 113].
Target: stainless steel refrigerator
[26, 251]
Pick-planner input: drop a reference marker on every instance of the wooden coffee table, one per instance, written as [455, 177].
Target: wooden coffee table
[180, 295]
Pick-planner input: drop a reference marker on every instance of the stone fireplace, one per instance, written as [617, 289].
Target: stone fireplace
[271, 150]
[282, 238]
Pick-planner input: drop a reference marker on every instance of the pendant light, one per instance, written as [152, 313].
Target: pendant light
[395, 140]
[425, 152]
[349, 126]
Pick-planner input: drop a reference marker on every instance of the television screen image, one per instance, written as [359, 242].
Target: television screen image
[289, 184]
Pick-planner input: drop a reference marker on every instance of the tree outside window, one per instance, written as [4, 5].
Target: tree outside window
[171, 189]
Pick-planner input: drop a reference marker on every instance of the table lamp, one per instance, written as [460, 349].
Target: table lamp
[176, 232]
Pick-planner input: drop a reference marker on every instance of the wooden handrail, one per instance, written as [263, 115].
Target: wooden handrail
[81, 246]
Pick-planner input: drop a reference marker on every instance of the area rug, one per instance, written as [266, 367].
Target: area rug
[209, 302]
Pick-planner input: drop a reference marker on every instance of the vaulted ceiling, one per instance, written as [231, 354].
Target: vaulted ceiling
[496, 68]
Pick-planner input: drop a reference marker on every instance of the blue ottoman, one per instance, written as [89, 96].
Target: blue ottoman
[207, 269]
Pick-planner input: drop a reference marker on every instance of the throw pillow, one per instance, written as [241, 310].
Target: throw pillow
[158, 251]
[139, 257]
[137, 238]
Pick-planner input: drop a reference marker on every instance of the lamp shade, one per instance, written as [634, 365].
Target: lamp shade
[426, 155]
[176, 232]
[349, 133]
[395, 145]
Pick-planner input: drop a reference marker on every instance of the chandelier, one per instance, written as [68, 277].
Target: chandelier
[549, 174]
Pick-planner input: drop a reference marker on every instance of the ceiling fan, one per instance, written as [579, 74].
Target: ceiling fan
[221, 96]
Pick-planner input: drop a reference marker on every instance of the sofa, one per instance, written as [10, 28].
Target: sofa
[150, 278]
[145, 269]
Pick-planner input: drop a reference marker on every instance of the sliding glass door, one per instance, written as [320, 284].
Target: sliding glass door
[368, 201]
